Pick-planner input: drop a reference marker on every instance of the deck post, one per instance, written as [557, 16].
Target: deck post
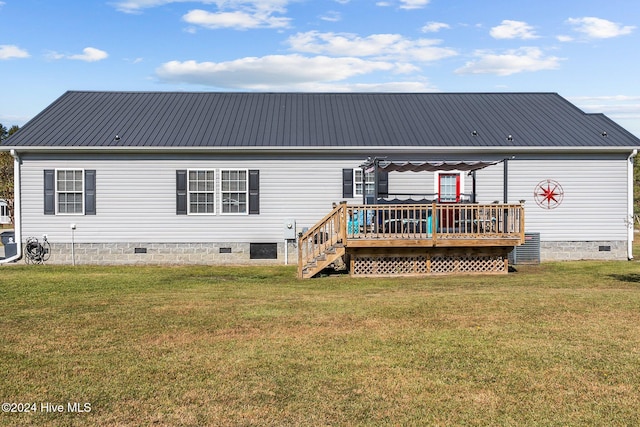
[505, 190]
[300, 275]
[522, 222]
[434, 223]
[342, 222]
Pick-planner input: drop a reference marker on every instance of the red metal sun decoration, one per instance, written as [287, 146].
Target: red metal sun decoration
[548, 194]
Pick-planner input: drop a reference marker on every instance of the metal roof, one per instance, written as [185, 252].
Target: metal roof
[316, 120]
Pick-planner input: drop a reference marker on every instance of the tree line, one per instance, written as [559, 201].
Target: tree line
[6, 169]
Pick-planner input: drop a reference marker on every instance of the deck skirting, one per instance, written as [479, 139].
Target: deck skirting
[428, 261]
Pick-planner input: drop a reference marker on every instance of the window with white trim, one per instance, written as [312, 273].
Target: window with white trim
[369, 183]
[201, 190]
[234, 191]
[70, 191]
[4, 212]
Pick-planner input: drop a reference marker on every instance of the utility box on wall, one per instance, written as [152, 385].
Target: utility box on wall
[290, 229]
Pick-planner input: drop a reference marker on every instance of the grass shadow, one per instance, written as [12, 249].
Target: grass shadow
[629, 277]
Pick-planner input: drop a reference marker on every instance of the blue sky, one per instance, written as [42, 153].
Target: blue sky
[585, 50]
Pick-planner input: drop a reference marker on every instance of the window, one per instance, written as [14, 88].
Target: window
[201, 191]
[449, 187]
[4, 212]
[70, 192]
[234, 191]
[369, 182]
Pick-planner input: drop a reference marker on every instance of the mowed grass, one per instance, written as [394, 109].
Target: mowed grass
[550, 345]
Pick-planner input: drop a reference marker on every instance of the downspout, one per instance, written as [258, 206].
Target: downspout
[505, 181]
[375, 174]
[630, 230]
[17, 209]
[473, 188]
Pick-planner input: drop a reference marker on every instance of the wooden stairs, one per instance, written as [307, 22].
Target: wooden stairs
[323, 245]
[333, 255]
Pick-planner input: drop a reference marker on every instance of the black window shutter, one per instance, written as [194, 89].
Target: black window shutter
[49, 192]
[383, 183]
[89, 192]
[254, 192]
[181, 192]
[347, 183]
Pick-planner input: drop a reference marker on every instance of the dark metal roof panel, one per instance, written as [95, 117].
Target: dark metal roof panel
[207, 119]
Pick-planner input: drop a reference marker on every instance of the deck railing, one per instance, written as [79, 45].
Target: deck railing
[435, 221]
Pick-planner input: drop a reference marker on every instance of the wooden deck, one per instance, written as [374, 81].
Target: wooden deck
[407, 239]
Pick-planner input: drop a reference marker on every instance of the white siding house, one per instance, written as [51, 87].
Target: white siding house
[217, 177]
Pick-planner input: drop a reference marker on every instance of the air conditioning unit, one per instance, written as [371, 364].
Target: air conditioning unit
[528, 252]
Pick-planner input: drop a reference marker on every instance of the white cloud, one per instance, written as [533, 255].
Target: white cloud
[624, 109]
[137, 6]
[269, 72]
[378, 46]
[14, 119]
[331, 16]
[405, 4]
[54, 55]
[621, 106]
[239, 19]
[413, 4]
[8, 51]
[510, 62]
[434, 27]
[564, 38]
[89, 54]
[597, 28]
[513, 30]
[399, 86]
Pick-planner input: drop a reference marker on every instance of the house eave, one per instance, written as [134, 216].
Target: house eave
[322, 150]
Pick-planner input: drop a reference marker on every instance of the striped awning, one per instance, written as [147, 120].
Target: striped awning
[465, 166]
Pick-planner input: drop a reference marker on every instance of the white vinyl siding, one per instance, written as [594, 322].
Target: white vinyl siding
[137, 196]
[594, 206]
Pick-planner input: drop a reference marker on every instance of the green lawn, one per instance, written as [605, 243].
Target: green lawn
[550, 345]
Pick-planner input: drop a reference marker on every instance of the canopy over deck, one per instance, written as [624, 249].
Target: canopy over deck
[464, 166]
[382, 166]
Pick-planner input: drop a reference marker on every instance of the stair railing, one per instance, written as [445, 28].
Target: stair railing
[328, 232]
